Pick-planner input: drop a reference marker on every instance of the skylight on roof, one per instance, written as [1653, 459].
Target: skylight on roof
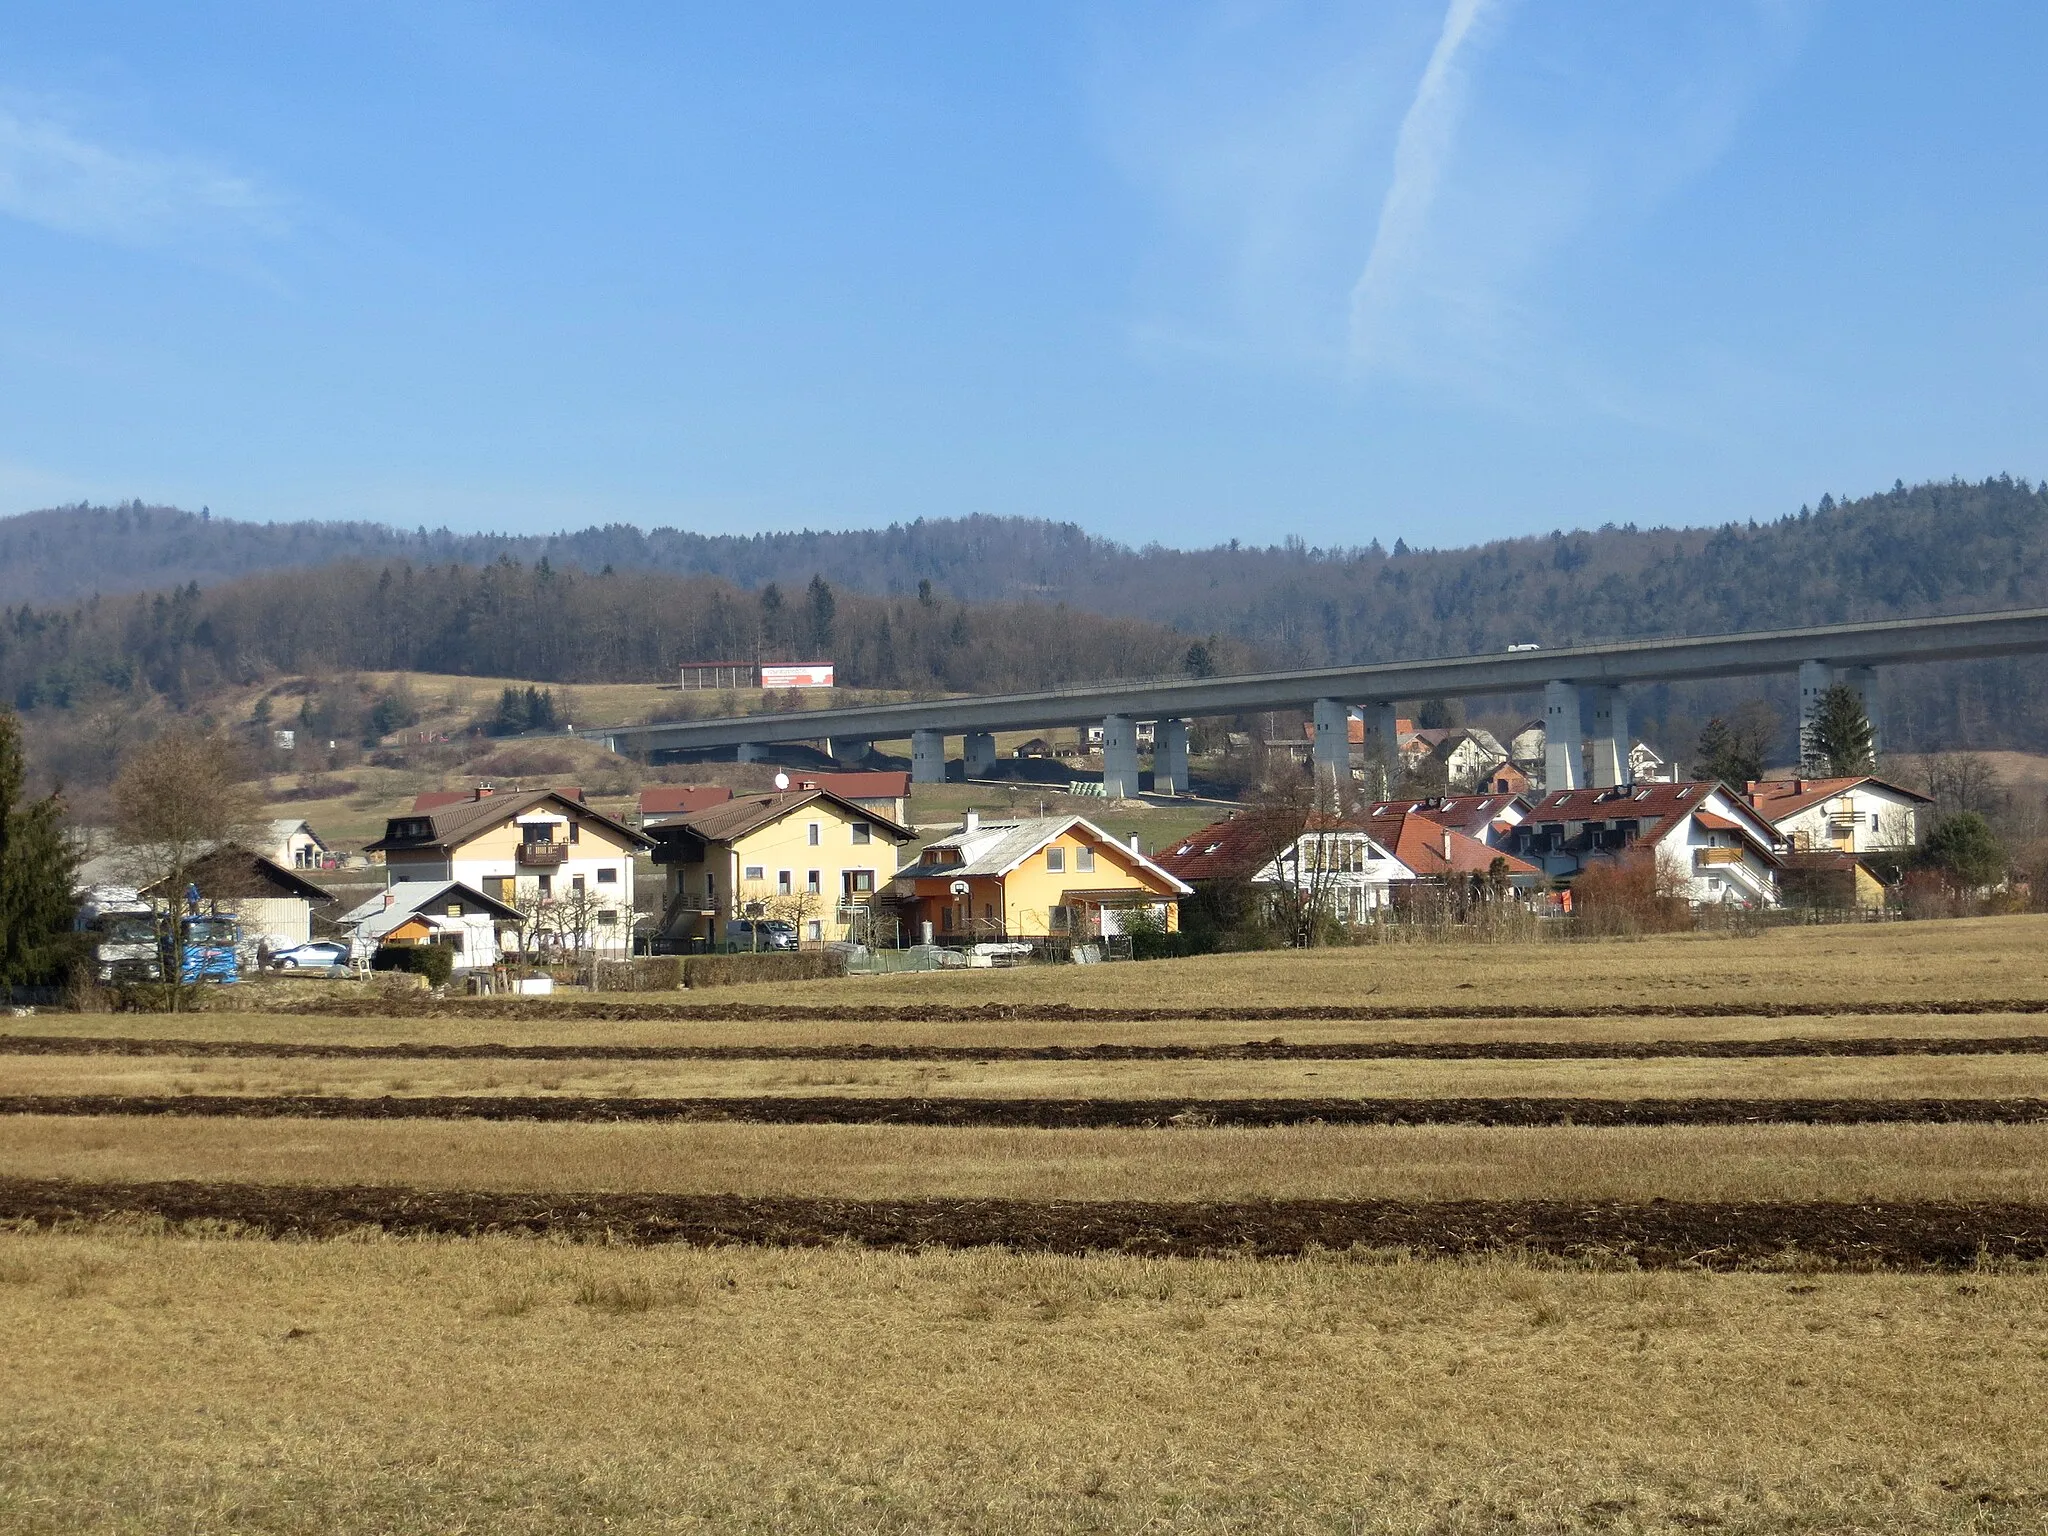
[1212, 848]
[1685, 791]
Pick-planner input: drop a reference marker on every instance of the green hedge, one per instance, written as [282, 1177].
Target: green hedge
[783, 965]
[647, 973]
[436, 962]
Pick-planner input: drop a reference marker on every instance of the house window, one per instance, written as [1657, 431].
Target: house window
[607, 876]
[1060, 919]
[575, 832]
[814, 930]
[576, 884]
[862, 832]
[547, 886]
[814, 882]
[755, 872]
[455, 909]
[859, 882]
[1084, 861]
[1056, 860]
[499, 886]
[782, 887]
[945, 919]
[607, 918]
[814, 834]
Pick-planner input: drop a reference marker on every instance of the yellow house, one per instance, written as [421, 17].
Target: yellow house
[807, 858]
[1056, 877]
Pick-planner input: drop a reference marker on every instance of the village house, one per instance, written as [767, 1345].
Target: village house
[1466, 755]
[1487, 817]
[1847, 815]
[1711, 847]
[1348, 868]
[294, 844]
[807, 857]
[272, 905]
[543, 851]
[1048, 877]
[443, 912]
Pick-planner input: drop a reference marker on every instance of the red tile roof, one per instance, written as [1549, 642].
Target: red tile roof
[435, 799]
[1775, 799]
[1429, 847]
[1656, 808]
[1234, 849]
[882, 785]
[681, 799]
[1239, 848]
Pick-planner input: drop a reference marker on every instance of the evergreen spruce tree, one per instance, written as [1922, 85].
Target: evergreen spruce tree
[1725, 756]
[36, 864]
[1838, 738]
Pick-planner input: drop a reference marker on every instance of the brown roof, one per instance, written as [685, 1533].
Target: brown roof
[747, 813]
[434, 799]
[681, 799]
[1775, 799]
[1225, 850]
[458, 823]
[1464, 813]
[1656, 808]
[883, 784]
[1429, 847]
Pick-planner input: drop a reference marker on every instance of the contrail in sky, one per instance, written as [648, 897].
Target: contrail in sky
[1420, 152]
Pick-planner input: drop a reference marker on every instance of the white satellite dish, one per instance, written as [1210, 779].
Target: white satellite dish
[782, 781]
[959, 887]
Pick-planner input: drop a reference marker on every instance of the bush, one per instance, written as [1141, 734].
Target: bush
[648, 973]
[1627, 895]
[436, 962]
[782, 965]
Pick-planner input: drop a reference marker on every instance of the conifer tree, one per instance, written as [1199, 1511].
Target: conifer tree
[1838, 738]
[36, 864]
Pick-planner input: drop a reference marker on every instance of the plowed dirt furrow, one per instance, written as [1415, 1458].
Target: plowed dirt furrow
[1051, 1114]
[1656, 1234]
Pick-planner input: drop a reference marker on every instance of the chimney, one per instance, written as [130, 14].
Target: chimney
[973, 822]
[389, 897]
[482, 790]
[1447, 845]
[1134, 845]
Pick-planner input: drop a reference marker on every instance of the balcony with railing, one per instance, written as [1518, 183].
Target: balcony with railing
[542, 855]
[1702, 857]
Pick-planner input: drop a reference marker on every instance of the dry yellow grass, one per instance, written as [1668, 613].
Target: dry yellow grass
[1776, 1162]
[1884, 1077]
[459, 1029]
[159, 1384]
[1978, 957]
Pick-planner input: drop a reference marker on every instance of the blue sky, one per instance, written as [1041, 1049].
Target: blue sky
[1180, 272]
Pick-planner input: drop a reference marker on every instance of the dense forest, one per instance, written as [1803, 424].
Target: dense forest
[641, 600]
[555, 625]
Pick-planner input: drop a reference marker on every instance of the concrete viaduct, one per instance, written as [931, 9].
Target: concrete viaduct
[1580, 685]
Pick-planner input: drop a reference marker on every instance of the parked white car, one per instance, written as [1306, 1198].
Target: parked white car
[321, 954]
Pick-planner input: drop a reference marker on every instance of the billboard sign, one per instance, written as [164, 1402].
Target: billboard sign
[812, 674]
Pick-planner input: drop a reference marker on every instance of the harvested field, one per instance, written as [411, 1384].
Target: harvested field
[1921, 1076]
[998, 1029]
[1049, 1114]
[1891, 1163]
[1658, 1235]
[416, 1386]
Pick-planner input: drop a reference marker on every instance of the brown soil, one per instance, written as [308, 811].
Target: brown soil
[417, 1004]
[1653, 1234]
[1051, 1114]
[1250, 1050]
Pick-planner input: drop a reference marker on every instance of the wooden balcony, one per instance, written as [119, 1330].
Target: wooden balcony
[1704, 856]
[542, 855]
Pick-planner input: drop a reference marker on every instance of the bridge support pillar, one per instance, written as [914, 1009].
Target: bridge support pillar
[1119, 757]
[979, 752]
[1561, 736]
[1382, 749]
[1170, 757]
[927, 757]
[1862, 681]
[1331, 753]
[1815, 679]
[1610, 739]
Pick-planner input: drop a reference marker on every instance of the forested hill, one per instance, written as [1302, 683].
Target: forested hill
[1951, 547]
[587, 606]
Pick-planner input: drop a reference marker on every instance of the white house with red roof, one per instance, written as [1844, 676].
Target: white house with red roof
[1487, 818]
[1711, 844]
[1353, 864]
[1846, 815]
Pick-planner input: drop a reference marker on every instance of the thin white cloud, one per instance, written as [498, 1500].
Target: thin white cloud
[53, 175]
[1422, 151]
